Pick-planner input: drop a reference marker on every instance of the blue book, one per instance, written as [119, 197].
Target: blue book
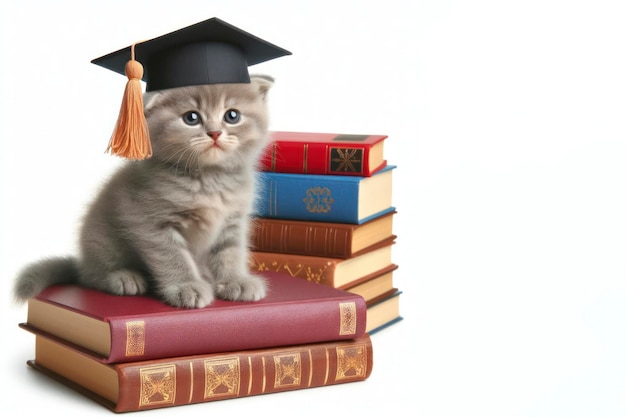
[326, 198]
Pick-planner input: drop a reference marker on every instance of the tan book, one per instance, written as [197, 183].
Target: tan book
[383, 311]
[333, 272]
[374, 287]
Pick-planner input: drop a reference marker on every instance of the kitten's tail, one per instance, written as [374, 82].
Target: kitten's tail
[39, 275]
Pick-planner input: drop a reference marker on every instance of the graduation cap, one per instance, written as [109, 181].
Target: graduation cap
[209, 52]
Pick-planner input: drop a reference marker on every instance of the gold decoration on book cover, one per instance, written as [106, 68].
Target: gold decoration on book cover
[288, 370]
[346, 160]
[222, 377]
[312, 274]
[158, 385]
[351, 362]
[347, 315]
[318, 200]
[135, 338]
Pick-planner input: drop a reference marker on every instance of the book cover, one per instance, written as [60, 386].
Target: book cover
[131, 328]
[324, 153]
[333, 240]
[333, 272]
[327, 198]
[161, 383]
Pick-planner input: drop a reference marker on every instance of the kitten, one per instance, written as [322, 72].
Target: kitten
[176, 225]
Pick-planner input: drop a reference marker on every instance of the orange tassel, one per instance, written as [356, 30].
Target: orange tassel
[131, 138]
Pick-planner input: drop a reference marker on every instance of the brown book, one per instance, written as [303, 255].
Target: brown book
[333, 240]
[334, 272]
[160, 383]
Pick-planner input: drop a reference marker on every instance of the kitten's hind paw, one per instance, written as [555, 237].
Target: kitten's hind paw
[195, 294]
[246, 288]
[125, 282]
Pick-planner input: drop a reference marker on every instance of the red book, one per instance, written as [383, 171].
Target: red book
[136, 328]
[324, 154]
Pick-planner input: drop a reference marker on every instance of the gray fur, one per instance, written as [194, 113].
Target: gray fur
[175, 225]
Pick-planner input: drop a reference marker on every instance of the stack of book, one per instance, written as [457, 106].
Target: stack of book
[133, 353]
[325, 214]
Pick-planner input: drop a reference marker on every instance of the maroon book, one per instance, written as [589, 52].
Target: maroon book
[131, 328]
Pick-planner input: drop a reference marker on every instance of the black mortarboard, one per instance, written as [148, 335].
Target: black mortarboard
[209, 52]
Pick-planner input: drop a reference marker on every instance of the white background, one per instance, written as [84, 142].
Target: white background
[506, 120]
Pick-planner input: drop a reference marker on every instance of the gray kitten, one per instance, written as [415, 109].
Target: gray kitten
[176, 225]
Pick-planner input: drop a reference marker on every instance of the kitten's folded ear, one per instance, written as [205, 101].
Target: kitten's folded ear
[150, 100]
[262, 82]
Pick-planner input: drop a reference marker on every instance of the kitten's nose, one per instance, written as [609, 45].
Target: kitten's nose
[215, 134]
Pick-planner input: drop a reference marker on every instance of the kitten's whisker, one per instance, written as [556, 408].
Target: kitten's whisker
[196, 158]
[183, 153]
[175, 156]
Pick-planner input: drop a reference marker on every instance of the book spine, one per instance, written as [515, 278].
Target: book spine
[334, 241]
[316, 269]
[308, 197]
[200, 379]
[280, 325]
[317, 158]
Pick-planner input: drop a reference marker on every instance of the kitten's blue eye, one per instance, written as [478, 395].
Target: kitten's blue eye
[191, 118]
[232, 116]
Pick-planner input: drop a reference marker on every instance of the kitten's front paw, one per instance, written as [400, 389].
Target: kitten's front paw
[246, 288]
[195, 294]
[125, 282]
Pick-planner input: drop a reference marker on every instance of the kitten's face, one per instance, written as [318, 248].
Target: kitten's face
[210, 125]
